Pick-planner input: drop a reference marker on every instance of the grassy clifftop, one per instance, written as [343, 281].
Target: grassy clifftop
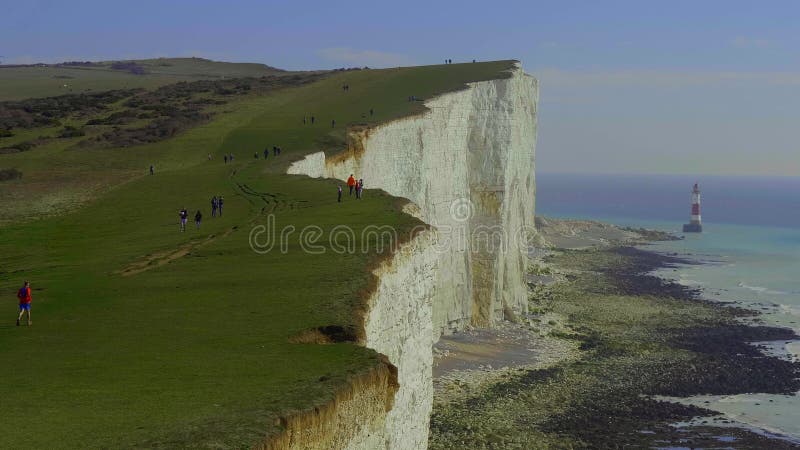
[145, 336]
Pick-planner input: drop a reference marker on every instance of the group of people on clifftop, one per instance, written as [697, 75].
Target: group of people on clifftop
[354, 185]
[217, 203]
[276, 150]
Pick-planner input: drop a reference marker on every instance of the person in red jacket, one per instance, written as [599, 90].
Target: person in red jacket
[351, 183]
[24, 296]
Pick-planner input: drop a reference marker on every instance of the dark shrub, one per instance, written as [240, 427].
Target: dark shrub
[17, 148]
[69, 132]
[128, 66]
[38, 112]
[9, 174]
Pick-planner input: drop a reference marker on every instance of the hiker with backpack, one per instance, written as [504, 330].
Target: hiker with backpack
[24, 296]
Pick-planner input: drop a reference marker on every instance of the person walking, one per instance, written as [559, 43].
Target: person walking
[351, 183]
[360, 187]
[312, 120]
[214, 206]
[358, 190]
[333, 123]
[371, 112]
[226, 159]
[209, 156]
[266, 152]
[24, 296]
[339, 194]
[221, 202]
[198, 217]
[183, 214]
[152, 170]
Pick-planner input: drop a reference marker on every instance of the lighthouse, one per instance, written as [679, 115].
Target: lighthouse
[694, 225]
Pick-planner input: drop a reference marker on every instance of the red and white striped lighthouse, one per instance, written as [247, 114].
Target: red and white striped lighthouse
[694, 225]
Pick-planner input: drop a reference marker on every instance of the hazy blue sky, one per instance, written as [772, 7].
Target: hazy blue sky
[626, 86]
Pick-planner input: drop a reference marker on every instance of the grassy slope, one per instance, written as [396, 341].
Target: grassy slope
[195, 352]
[17, 83]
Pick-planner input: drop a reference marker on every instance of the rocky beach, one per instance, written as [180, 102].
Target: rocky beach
[604, 343]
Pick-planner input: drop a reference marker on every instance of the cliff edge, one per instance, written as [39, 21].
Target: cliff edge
[467, 164]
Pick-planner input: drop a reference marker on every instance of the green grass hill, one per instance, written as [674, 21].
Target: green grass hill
[144, 336]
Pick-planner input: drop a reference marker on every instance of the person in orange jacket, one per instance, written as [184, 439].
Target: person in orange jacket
[351, 183]
[24, 296]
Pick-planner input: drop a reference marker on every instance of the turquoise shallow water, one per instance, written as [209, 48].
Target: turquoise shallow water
[755, 265]
[758, 267]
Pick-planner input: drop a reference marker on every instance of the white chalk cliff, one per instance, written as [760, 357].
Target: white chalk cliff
[467, 164]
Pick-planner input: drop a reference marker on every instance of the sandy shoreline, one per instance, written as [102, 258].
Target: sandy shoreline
[473, 367]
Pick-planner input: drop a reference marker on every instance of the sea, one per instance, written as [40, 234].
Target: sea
[749, 247]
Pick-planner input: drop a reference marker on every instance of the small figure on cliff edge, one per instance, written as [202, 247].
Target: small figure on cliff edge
[359, 188]
[183, 214]
[24, 296]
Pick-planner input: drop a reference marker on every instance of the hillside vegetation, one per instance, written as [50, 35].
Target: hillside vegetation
[19, 82]
[144, 336]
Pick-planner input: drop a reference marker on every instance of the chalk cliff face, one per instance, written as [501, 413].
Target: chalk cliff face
[467, 164]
